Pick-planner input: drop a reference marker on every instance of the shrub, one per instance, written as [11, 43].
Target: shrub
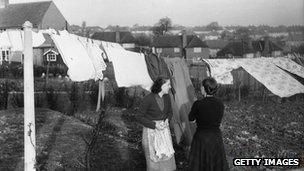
[51, 98]
[93, 87]
[4, 90]
[16, 70]
[4, 70]
[120, 96]
[38, 70]
[58, 70]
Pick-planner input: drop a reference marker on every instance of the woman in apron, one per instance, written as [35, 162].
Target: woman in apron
[155, 113]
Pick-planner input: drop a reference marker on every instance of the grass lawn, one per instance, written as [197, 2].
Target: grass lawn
[250, 129]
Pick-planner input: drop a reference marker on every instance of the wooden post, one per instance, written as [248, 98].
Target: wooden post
[29, 108]
[240, 92]
[47, 73]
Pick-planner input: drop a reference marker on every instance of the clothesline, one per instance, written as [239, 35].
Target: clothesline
[85, 57]
[85, 60]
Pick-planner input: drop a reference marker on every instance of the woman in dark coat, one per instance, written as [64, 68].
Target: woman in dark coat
[155, 112]
[207, 151]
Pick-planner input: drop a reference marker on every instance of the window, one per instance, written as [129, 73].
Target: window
[5, 55]
[197, 49]
[159, 50]
[51, 57]
[128, 45]
[176, 50]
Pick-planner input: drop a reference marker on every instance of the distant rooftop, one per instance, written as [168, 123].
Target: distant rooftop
[176, 41]
[125, 36]
[14, 15]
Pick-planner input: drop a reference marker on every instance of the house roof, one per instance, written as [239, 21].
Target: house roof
[51, 50]
[176, 41]
[216, 44]
[125, 36]
[295, 37]
[239, 48]
[194, 41]
[167, 41]
[14, 15]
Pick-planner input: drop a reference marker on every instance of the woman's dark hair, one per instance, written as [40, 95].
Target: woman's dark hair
[210, 85]
[156, 87]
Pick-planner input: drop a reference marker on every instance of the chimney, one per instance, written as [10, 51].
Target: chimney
[250, 46]
[184, 38]
[117, 36]
[266, 50]
[4, 3]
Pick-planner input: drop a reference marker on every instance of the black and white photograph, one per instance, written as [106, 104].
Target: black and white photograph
[156, 85]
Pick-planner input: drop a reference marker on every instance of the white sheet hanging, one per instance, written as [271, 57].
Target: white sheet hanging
[289, 65]
[221, 69]
[74, 55]
[95, 53]
[107, 45]
[38, 38]
[130, 68]
[265, 70]
[276, 80]
[4, 41]
[15, 37]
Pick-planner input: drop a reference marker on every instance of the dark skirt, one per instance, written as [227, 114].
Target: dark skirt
[207, 151]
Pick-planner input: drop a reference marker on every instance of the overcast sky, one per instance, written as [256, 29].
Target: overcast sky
[183, 12]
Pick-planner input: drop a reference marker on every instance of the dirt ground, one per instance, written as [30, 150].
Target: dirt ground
[250, 129]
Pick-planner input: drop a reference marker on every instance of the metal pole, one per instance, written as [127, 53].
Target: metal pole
[29, 108]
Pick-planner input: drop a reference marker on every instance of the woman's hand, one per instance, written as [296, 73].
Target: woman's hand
[166, 122]
[159, 126]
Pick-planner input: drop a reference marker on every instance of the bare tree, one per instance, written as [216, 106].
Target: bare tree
[162, 27]
[213, 26]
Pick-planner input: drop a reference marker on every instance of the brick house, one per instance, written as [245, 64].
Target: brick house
[42, 15]
[250, 49]
[124, 38]
[215, 46]
[185, 46]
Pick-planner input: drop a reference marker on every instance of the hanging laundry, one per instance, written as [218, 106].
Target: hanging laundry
[107, 45]
[156, 66]
[38, 38]
[289, 65]
[75, 56]
[95, 53]
[221, 69]
[15, 37]
[129, 67]
[99, 44]
[273, 78]
[183, 98]
[4, 41]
